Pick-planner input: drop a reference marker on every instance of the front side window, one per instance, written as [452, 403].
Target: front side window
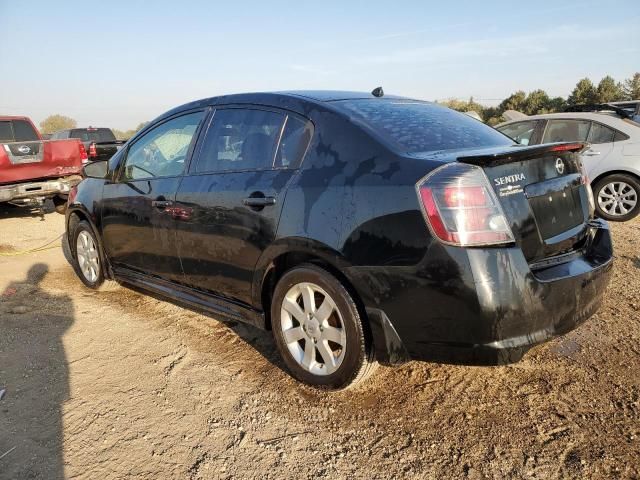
[162, 151]
[240, 139]
[415, 127]
[520, 132]
[601, 134]
[566, 131]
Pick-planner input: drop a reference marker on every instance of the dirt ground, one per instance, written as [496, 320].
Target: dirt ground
[115, 384]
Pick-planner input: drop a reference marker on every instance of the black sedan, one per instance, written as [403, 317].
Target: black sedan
[359, 228]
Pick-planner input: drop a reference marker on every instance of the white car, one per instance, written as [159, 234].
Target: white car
[612, 161]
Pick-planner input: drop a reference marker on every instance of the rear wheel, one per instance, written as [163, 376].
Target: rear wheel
[318, 329]
[86, 254]
[617, 197]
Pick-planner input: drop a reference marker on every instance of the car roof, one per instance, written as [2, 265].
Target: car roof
[606, 118]
[286, 99]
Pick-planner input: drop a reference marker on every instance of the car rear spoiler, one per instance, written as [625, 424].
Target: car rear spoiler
[600, 107]
[519, 153]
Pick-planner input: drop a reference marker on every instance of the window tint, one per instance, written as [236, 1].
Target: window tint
[24, 132]
[294, 142]
[520, 132]
[6, 133]
[240, 139]
[93, 134]
[619, 137]
[161, 152]
[601, 134]
[422, 127]
[566, 131]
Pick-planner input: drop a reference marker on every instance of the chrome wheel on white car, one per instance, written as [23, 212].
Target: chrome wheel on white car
[617, 197]
[313, 329]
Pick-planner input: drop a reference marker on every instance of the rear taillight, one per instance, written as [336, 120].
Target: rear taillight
[461, 208]
[83, 154]
[92, 150]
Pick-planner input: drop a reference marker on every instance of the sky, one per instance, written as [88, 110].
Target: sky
[118, 63]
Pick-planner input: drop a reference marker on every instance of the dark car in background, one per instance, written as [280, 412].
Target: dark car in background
[358, 228]
[100, 143]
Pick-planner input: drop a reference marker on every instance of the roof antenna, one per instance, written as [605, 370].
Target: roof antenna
[377, 92]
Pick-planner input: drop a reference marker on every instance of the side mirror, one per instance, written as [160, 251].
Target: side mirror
[96, 169]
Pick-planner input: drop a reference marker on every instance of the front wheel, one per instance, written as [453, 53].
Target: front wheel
[617, 197]
[318, 329]
[86, 255]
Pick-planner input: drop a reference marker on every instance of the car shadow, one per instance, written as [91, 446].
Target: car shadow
[34, 375]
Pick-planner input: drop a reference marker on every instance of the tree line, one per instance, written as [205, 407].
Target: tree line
[54, 123]
[532, 103]
[538, 101]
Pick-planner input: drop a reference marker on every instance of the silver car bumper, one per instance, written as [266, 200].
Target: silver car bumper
[43, 189]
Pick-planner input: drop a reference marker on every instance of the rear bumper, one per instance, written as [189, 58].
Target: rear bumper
[42, 189]
[483, 306]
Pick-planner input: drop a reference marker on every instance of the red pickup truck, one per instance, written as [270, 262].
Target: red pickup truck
[32, 169]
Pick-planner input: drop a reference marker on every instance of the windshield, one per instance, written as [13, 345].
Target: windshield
[416, 127]
[93, 134]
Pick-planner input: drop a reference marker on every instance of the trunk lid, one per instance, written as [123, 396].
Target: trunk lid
[25, 161]
[543, 193]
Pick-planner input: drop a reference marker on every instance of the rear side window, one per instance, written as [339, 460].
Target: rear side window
[415, 127]
[601, 134]
[521, 132]
[295, 139]
[6, 133]
[566, 131]
[24, 131]
[240, 139]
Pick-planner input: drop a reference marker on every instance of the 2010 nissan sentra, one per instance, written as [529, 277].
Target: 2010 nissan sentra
[359, 228]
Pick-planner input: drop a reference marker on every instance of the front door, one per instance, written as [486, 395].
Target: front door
[235, 190]
[138, 217]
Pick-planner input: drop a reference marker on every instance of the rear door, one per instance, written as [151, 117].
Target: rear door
[138, 217]
[233, 195]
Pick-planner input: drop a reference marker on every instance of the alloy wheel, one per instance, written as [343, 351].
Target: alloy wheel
[87, 255]
[617, 198]
[313, 329]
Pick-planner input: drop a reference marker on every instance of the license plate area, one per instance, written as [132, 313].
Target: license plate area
[556, 205]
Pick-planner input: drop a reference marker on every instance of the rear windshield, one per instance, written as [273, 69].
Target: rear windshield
[93, 134]
[17, 131]
[416, 127]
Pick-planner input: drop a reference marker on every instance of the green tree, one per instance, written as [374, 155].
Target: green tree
[632, 87]
[609, 91]
[537, 102]
[557, 104]
[515, 101]
[584, 92]
[56, 122]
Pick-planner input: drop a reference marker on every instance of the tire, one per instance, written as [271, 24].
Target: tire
[339, 357]
[60, 204]
[87, 260]
[617, 197]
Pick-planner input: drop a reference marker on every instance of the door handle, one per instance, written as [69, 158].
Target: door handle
[591, 153]
[259, 201]
[161, 203]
